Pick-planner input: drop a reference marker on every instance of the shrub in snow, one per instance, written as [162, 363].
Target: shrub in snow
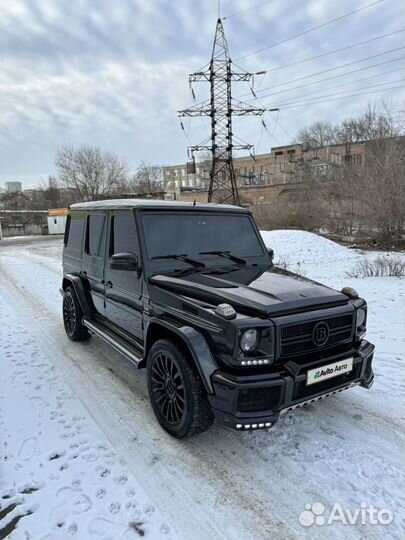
[383, 265]
[285, 264]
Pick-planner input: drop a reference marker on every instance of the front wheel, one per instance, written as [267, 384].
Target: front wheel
[72, 317]
[176, 391]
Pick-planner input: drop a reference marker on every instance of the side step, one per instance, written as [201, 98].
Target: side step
[112, 339]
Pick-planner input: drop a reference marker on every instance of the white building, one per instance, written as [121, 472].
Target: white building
[57, 220]
[13, 187]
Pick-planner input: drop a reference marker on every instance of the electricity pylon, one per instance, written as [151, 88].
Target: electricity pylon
[221, 107]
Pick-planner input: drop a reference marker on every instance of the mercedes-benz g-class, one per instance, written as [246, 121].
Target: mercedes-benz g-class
[190, 293]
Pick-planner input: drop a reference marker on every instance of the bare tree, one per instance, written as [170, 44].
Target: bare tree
[303, 207]
[382, 187]
[92, 172]
[340, 193]
[147, 179]
[374, 123]
[369, 196]
[318, 134]
[51, 193]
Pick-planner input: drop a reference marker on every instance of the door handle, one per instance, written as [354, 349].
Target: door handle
[108, 284]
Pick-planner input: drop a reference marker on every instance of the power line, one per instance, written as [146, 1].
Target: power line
[273, 132]
[276, 122]
[247, 9]
[282, 128]
[292, 102]
[329, 70]
[293, 106]
[311, 29]
[340, 75]
[316, 97]
[262, 72]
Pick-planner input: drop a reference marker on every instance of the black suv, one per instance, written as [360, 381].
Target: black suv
[190, 293]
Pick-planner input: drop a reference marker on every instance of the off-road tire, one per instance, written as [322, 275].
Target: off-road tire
[72, 317]
[197, 415]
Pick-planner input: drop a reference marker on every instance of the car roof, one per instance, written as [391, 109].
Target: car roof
[125, 204]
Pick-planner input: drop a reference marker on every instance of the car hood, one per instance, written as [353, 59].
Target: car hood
[269, 294]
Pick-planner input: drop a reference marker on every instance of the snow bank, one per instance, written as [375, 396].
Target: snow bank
[305, 247]
[313, 256]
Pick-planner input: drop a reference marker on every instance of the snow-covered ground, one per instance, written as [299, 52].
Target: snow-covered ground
[83, 457]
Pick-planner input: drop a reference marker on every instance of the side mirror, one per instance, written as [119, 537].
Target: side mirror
[271, 253]
[124, 261]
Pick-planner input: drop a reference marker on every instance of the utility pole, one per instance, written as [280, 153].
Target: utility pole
[221, 107]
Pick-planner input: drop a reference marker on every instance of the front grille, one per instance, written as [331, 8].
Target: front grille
[298, 339]
[259, 399]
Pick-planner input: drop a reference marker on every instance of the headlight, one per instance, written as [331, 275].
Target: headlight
[249, 339]
[361, 318]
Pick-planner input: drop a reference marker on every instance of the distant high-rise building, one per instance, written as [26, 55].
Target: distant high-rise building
[13, 187]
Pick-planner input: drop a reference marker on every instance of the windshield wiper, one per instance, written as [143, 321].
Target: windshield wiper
[181, 257]
[226, 254]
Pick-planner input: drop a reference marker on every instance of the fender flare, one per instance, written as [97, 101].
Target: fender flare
[196, 344]
[82, 294]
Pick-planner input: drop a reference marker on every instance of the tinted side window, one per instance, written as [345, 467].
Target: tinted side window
[124, 234]
[95, 234]
[75, 233]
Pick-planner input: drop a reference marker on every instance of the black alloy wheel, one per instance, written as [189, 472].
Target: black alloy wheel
[69, 314]
[168, 389]
[72, 317]
[176, 391]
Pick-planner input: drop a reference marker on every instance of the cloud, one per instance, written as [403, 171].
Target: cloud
[115, 73]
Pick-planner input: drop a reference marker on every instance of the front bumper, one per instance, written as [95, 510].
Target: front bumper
[257, 401]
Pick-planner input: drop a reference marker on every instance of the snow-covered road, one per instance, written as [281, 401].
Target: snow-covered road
[83, 457]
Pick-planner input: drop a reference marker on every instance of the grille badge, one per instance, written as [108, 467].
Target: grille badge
[320, 334]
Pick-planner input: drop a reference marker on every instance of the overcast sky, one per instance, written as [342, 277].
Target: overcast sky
[114, 73]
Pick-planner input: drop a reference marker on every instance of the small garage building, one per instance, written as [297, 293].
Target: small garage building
[57, 220]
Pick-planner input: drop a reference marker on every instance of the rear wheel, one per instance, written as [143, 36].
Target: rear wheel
[176, 391]
[72, 317]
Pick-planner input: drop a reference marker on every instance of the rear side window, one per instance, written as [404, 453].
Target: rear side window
[95, 234]
[65, 238]
[124, 234]
[75, 232]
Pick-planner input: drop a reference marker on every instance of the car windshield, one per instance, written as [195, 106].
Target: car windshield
[192, 233]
